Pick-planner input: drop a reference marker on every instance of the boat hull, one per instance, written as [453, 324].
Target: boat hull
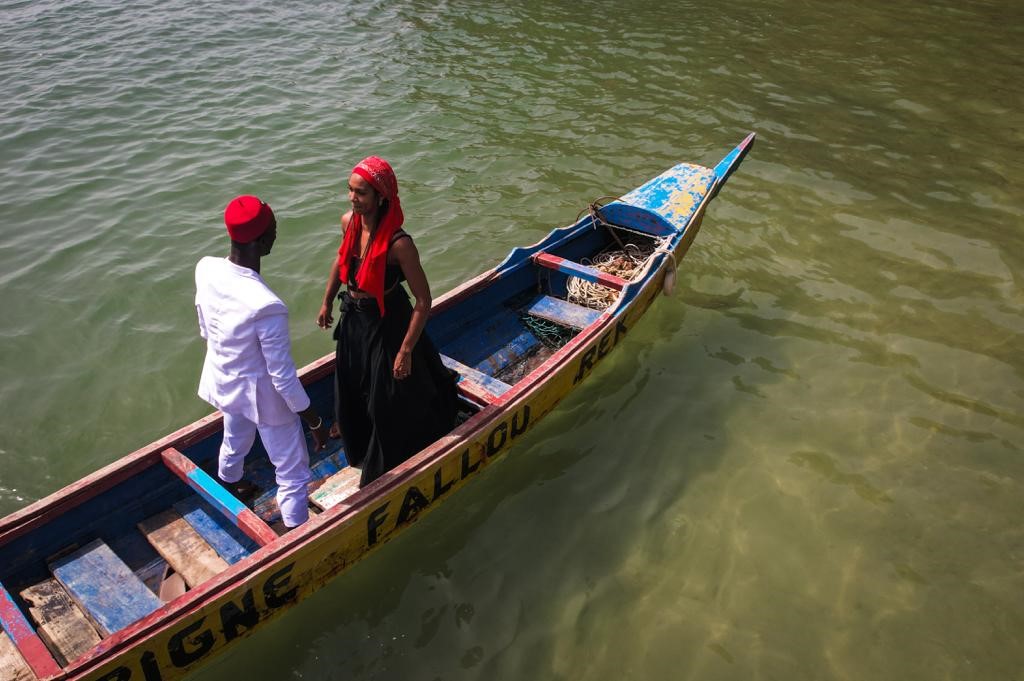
[188, 631]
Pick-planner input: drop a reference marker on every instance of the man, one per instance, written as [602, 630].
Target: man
[249, 373]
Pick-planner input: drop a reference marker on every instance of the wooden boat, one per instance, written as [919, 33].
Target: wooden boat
[148, 568]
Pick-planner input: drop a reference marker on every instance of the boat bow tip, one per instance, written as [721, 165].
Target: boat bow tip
[732, 161]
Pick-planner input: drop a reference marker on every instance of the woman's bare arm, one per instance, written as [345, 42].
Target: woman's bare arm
[326, 318]
[405, 253]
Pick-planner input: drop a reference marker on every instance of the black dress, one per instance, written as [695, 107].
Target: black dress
[384, 421]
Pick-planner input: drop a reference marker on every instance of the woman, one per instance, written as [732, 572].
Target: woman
[393, 395]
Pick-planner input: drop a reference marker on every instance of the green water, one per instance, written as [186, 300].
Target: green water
[805, 465]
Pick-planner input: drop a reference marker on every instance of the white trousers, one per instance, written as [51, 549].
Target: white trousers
[286, 446]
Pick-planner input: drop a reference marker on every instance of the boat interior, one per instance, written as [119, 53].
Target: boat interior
[167, 527]
[498, 336]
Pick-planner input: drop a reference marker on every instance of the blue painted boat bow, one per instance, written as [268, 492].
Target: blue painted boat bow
[662, 207]
[732, 161]
[665, 205]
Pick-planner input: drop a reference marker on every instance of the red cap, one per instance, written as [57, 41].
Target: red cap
[247, 218]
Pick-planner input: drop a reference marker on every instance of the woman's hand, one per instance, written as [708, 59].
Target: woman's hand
[403, 365]
[324, 319]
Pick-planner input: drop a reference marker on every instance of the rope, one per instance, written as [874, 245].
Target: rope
[624, 263]
[595, 206]
[549, 333]
[670, 254]
[595, 215]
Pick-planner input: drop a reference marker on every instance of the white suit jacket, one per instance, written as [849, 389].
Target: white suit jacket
[248, 368]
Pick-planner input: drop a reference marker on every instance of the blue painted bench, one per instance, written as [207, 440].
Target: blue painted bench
[227, 540]
[104, 587]
[562, 312]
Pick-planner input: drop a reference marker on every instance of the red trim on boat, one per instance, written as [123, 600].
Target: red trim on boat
[570, 267]
[205, 485]
[24, 637]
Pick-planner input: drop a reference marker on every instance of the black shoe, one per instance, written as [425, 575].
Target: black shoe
[243, 490]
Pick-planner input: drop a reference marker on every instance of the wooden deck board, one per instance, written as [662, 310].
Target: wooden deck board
[337, 488]
[182, 547]
[104, 587]
[139, 555]
[12, 665]
[563, 312]
[60, 623]
[491, 385]
[322, 466]
[474, 393]
[229, 542]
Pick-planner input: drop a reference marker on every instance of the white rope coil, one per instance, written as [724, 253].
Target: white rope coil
[624, 263]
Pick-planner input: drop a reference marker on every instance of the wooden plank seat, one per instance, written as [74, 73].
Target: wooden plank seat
[12, 665]
[104, 587]
[575, 269]
[182, 547]
[336, 488]
[226, 539]
[218, 497]
[476, 383]
[562, 312]
[60, 623]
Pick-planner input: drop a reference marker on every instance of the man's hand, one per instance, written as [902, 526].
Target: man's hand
[317, 427]
[319, 436]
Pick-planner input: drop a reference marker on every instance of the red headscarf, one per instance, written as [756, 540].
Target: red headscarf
[370, 277]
